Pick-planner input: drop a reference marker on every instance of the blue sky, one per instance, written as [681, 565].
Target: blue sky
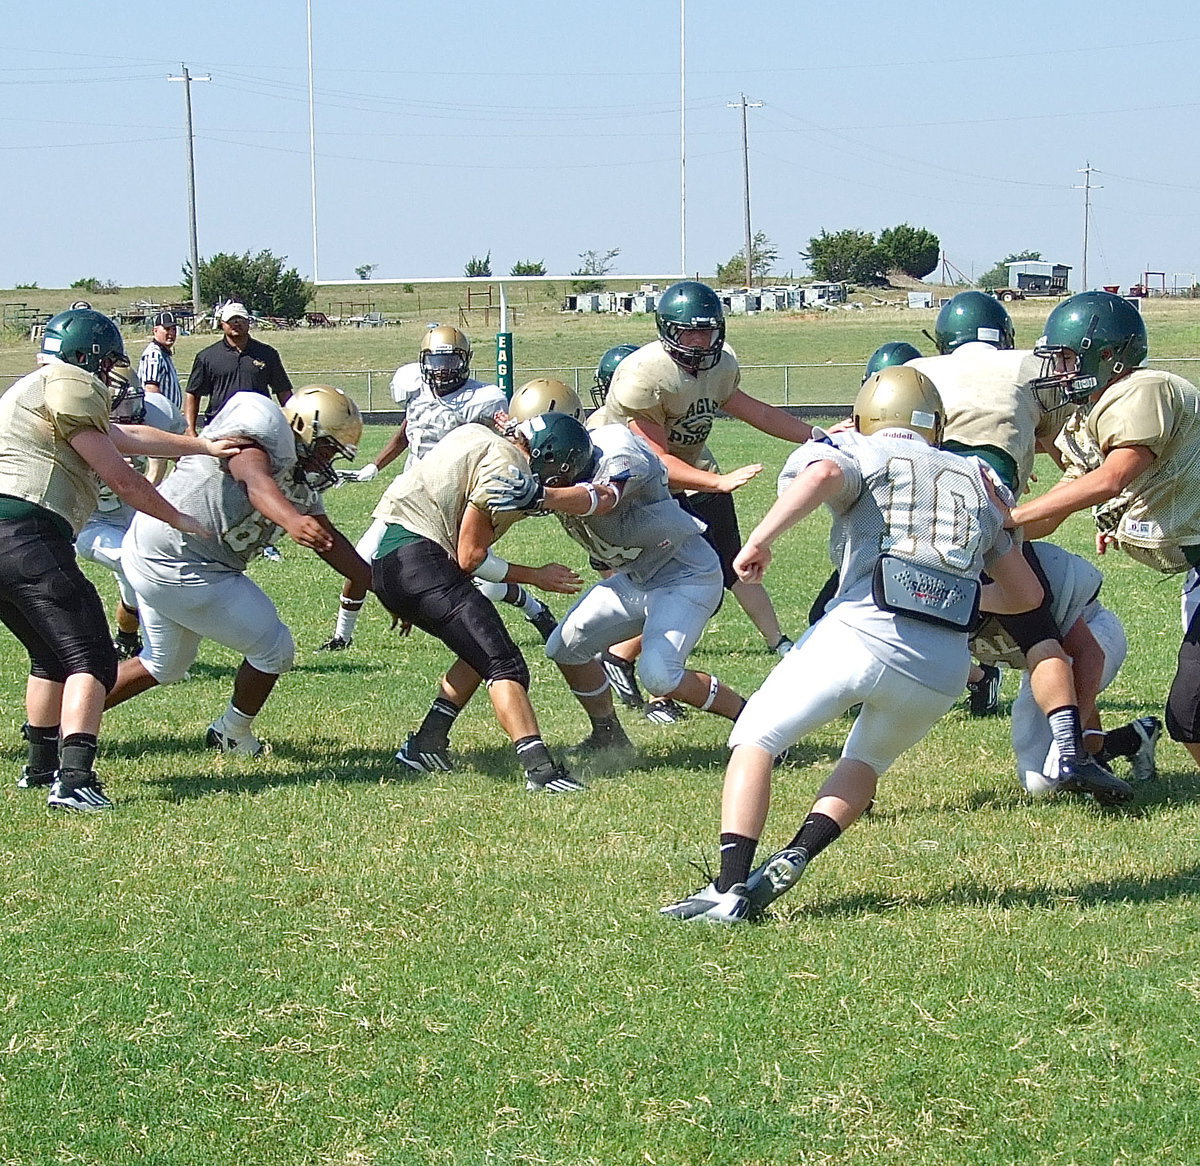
[536, 131]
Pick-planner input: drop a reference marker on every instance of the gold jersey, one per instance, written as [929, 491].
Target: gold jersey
[1161, 412]
[38, 417]
[989, 402]
[649, 386]
[431, 497]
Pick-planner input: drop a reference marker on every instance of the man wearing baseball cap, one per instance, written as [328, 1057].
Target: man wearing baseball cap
[156, 367]
[235, 364]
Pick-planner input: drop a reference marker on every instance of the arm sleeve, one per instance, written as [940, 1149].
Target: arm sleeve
[281, 383]
[198, 380]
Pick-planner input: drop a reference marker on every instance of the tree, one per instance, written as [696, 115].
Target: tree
[94, 286]
[997, 276]
[913, 250]
[528, 267]
[763, 254]
[848, 255]
[258, 281]
[477, 267]
[366, 270]
[592, 264]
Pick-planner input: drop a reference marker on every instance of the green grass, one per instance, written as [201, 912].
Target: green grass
[831, 348]
[318, 958]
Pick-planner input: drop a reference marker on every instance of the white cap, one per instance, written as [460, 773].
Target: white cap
[231, 309]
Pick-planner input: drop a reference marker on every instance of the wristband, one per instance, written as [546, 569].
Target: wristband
[493, 569]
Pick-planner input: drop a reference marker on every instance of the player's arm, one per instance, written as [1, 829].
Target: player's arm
[583, 499]
[1015, 587]
[342, 556]
[98, 450]
[146, 441]
[680, 475]
[475, 537]
[767, 418]
[1119, 468]
[252, 468]
[815, 484]
[396, 445]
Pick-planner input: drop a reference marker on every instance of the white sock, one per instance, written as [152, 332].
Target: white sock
[347, 618]
[237, 723]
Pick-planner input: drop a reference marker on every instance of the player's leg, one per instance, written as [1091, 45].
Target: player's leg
[1183, 699]
[353, 596]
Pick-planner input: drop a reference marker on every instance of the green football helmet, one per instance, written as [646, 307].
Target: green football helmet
[972, 315]
[689, 306]
[606, 368]
[560, 451]
[85, 338]
[1105, 334]
[889, 355]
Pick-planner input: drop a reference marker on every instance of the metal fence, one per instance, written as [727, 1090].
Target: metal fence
[799, 385]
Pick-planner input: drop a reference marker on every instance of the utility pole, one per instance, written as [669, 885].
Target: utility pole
[187, 80]
[743, 104]
[1087, 188]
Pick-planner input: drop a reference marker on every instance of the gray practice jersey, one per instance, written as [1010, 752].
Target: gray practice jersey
[204, 488]
[647, 528]
[428, 417]
[904, 498]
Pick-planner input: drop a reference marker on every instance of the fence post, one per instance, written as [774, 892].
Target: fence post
[370, 398]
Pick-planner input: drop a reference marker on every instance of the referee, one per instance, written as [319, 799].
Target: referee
[235, 364]
[156, 367]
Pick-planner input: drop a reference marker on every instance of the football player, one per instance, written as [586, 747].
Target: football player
[100, 539]
[993, 414]
[609, 491]
[605, 370]
[668, 393]
[436, 394]
[438, 534]
[1140, 449]
[914, 526]
[1094, 639]
[193, 587]
[57, 444]
[894, 352]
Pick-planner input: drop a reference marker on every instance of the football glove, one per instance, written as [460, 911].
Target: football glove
[514, 489]
[368, 473]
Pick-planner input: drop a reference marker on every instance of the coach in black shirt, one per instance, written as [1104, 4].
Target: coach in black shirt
[236, 364]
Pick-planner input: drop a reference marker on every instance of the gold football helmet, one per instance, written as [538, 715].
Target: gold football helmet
[544, 395]
[445, 358]
[899, 397]
[327, 425]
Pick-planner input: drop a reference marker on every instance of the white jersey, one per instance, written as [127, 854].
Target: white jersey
[160, 414]
[647, 528]
[428, 417]
[202, 486]
[923, 505]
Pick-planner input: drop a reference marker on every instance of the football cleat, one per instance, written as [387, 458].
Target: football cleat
[424, 757]
[604, 749]
[77, 789]
[782, 648]
[1083, 775]
[708, 905]
[622, 676]
[770, 879]
[664, 712]
[248, 745]
[1142, 766]
[335, 644]
[983, 698]
[551, 779]
[127, 644]
[271, 553]
[32, 778]
[543, 619]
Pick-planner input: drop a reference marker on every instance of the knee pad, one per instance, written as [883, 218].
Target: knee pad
[274, 652]
[659, 673]
[509, 668]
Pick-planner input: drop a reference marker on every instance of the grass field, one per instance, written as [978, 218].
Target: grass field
[319, 958]
[830, 348]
